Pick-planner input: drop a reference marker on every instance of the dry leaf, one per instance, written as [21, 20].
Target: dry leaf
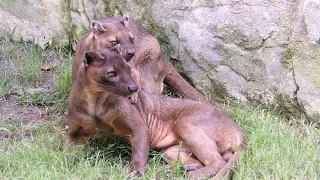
[48, 67]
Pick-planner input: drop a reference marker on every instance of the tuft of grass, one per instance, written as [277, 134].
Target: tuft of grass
[64, 80]
[29, 65]
[277, 150]
[38, 99]
[6, 85]
[22, 73]
[40, 155]
[20, 65]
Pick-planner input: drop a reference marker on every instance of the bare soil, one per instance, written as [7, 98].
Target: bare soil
[15, 111]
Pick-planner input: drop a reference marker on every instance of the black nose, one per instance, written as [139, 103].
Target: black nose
[131, 52]
[133, 88]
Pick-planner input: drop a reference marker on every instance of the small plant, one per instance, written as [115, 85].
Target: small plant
[276, 150]
[29, 65]
[38, 99]
[6, 85]
[64, 80]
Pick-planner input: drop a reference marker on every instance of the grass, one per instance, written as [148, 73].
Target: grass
[28, 68]
[6, 85]
[277, 149]
[21, 73]
[64, 81]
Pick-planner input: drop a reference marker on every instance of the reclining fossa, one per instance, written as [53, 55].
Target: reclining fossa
[202, 136]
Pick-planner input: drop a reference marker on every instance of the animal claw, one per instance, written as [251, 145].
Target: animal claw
[192, 168]
[133, 98]
[134, 174]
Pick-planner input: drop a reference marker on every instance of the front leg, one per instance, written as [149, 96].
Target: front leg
[140, 151]
[137, 134]
[126, 121]
[75, 138]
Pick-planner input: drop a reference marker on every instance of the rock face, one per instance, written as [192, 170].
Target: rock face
[252, 50]
[29, 20]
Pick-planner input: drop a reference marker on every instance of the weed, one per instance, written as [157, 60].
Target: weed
[29, 66]
[64, 81]
[6, 85]
[276, 150]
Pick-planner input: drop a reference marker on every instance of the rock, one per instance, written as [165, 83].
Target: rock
[28, 20]
[311, 14]
[251, 50]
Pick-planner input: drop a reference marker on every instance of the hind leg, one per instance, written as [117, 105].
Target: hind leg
[214, 162]
[227, 155]
[182, 153]
[227, 169]
[202, 146]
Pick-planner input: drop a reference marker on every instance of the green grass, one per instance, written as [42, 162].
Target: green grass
[29, 66]
[58, 95]
[64, 80]
[6, 85]
[22, 73]
[22, 60]
[277, 149]
[40, 156]
[275, 152]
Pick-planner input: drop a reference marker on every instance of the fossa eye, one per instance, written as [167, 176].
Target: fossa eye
[112, 74]
[114, 43]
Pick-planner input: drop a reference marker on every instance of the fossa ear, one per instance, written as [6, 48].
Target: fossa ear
[97, 28]
[93, 58]
[125, 21]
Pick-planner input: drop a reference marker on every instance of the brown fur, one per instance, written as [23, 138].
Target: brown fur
[202, 136]
[148, 60]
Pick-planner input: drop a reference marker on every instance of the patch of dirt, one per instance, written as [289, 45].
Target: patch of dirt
[12, 109]
[25, 113]
[11, 106]
[1, 55]
[47, 80]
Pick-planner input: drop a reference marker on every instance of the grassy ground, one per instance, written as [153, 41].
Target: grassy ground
[32, 114]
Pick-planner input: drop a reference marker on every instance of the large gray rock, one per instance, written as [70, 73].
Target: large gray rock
[29, 20]
[252, 50]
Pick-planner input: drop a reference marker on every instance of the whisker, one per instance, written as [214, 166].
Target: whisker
[95, 90]
[97, 87]
[95, 82]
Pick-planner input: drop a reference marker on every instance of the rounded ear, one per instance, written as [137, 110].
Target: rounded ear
[125, 21]
[92, 58]
[97, 27]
